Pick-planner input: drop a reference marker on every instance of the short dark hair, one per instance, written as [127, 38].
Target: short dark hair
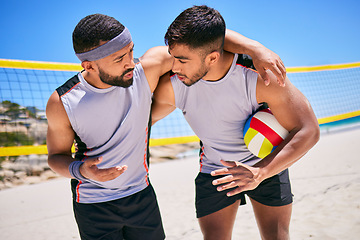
[198, 26]
[95, 28]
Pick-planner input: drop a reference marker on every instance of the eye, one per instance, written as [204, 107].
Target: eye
[180, 61]
[119, 60]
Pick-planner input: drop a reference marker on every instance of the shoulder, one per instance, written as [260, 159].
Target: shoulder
[275, 93]
[54, 105]
[155, 62]
[56, 114]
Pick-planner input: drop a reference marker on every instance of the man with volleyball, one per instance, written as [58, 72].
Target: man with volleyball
[106, 109]
[217, 95]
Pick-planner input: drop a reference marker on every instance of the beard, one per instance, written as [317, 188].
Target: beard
[116, 80]
[196, 77]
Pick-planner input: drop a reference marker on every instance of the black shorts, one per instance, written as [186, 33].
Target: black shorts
[133, 217]
[274, 191]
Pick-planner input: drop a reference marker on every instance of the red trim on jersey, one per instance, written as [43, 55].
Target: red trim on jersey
[145, 155]
[201, 157]
[77, 192]
[247, 67]
[80, 182]
[70, 89]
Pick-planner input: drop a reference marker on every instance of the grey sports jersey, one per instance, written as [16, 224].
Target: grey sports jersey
[217, 112]
[112, 123]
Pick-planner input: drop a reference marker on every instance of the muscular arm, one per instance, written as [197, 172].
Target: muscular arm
[163, 100]
[156, 62]
[293, 111]
[60, 137]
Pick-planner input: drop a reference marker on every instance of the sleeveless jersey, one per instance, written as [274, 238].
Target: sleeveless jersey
[112, 123]
[217, 112]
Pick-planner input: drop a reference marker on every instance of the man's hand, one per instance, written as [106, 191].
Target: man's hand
[263, 59]
[239, 176]
[90, 170]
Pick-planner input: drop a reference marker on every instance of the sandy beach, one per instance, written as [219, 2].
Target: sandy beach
[325, 184]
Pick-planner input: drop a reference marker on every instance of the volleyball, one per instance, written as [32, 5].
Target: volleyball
[263, 133]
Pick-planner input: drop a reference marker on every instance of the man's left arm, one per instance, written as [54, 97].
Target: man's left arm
[293, 111]
[263, 58]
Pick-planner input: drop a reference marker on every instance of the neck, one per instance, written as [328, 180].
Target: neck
[94, 80]
[220, 68]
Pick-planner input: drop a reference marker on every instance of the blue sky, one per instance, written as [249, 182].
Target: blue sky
[303, 33]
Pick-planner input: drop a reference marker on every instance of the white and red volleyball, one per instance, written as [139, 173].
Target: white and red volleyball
[263, 133]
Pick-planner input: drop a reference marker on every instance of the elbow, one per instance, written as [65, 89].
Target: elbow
[50, 161]
[317, 133]
[313, 133]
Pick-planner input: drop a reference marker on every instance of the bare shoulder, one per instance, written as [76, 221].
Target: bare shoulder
[60, 135]
[154, 56]
[277, 94]
[55, 110]
[155, 62]
[290, 107]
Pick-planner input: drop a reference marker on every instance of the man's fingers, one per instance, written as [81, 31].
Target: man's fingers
[93, 161]
[223, 171]
[235, 191]
[282, 69]
[122, 169]
[111, 173]
[225, 179]
[232, 184]
[280, 73]
[264, 76]
[231, 168]
[228, 163]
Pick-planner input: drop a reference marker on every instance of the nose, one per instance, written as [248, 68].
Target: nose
[176, 66]
[129, 61]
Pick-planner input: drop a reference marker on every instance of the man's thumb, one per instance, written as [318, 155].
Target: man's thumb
[93, 161]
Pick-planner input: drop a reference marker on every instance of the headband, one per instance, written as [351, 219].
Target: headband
[112, 46]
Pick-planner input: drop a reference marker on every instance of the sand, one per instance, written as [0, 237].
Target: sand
[325, 182]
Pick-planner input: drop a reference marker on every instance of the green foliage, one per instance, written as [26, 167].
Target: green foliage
[8, 139]
[13, 110]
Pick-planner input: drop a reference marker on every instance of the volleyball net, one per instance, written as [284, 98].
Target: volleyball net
[25, 86]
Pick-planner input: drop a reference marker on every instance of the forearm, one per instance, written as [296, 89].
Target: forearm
[262, 57]
[159, 111]
[237, 43]
[60, 163]
[296, 145]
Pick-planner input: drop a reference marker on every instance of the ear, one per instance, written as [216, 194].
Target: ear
[88, 66]
[213, 57]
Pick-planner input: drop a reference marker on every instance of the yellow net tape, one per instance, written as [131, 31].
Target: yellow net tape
[5, 63]
[37, 65]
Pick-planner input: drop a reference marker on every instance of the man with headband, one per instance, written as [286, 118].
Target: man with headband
[106, 109]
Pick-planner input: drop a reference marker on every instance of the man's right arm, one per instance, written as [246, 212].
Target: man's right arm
[60, 137]
[163, 100]
[156, 62]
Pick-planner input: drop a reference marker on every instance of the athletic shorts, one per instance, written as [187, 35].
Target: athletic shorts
[132, 218]
[274, 191]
